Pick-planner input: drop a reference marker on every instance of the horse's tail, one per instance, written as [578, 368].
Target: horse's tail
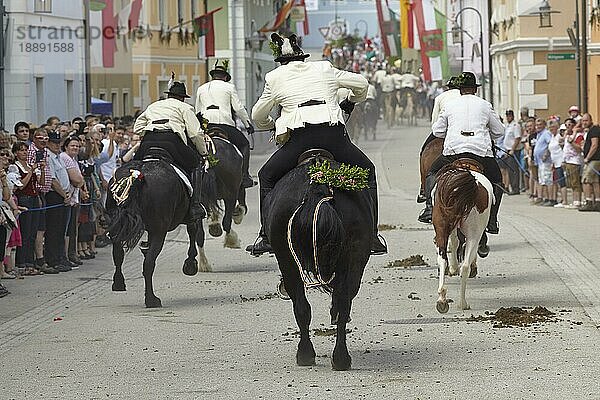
[125, 223]
[456, 193]
[209, 193]
[315, 237]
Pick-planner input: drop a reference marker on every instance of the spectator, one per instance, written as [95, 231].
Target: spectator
[574, 113]
[70, 149]
[57, 199]
[557, 157]
[591, 165]
[8, 210]
[531, 164]
[135, 144]
[541, 156]
[27, 196]
[512, 147]
[573, 156]
[22, 132]
[52, 123]
[38, 153]
[87, 219]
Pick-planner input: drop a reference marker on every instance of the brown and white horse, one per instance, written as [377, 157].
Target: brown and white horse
[462, 199]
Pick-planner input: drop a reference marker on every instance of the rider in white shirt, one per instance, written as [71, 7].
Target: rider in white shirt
[311, 117]
[469, 125]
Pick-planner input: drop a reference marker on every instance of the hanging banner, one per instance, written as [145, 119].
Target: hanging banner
[431, 38]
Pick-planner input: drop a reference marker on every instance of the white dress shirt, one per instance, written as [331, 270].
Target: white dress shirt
[409, 81]
[216, 99]
[180, 117]
[439, 103]
[387, 84]
[468, 124]
[292, 85]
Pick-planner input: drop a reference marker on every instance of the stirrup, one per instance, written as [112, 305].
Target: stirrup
[376, 248]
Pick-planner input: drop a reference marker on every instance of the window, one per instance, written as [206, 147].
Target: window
[39, 99]
[162, 13]
[102, 95]
[162, 87]
[144, 94]
[194, 7]
[43, 6]
[70, 98]
[114, 99]
[180, 11]
[125, 104]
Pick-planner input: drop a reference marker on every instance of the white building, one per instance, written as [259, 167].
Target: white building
[44, 61]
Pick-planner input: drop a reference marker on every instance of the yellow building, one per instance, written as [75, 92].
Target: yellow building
[533, 67]
[145, 57]
[593, 78]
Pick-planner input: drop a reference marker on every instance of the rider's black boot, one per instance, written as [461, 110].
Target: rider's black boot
[247, 181]
[492, 226]
[196, 211]
[377, 246]
[425, 215]
[262, 245]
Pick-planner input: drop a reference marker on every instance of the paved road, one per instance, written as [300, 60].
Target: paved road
[225, 334]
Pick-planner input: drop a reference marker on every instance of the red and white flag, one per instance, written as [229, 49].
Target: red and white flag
[204, 26]
[278, 19]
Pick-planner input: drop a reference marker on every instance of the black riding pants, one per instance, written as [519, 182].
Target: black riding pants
[235, 136]
[490, 166]
[184, 156]
[331, 138]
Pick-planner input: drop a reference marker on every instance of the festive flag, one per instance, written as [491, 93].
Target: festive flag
[406, 24]
[389, 25]
[431, 39]
[279, 19]
[204, 26]
[299, 18]
[109, 33]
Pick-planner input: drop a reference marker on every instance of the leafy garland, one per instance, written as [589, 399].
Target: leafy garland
[212, 160]
[344, 178]
[275, 49]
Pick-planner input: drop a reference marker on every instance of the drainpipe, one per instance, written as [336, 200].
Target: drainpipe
[584, 57]
[86, 52]
[490, 69]
[2, 115]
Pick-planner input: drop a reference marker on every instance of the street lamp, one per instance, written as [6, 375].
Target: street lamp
[456, 31]
[545, 12]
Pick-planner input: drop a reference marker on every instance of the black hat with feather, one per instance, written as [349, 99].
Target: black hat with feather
[286, 49]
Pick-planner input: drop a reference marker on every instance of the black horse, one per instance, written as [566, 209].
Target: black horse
[324, 234]
[370, 117]
[223, 182]
[158, 202]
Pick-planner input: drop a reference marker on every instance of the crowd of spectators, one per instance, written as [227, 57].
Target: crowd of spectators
[557, 162]
[54, 183]
[366, 56]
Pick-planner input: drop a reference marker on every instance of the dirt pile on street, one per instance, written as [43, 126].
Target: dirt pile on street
[508, 317]
[386, 227]
[412, 261]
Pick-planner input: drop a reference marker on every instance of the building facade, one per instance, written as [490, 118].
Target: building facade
[44, 61]
[533, 67]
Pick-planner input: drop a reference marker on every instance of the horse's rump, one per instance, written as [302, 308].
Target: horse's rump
[455, 194]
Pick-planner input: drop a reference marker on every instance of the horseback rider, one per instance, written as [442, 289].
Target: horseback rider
[310, 118]
[171, 124]
[216, 101]
[469, 125]
[439, 104]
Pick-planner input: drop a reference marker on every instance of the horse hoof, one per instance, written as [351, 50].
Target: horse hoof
[118, 287]
[473, 272]
[238, 214]
[215, 230]
[190, 267]
[305, 361]
[341, 362]
[153, 303]
[483, 250]
[442, 307]
[283, 294]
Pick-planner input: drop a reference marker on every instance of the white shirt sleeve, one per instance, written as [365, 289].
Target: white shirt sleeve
[495, 125]
[440, 126]
[262, 108]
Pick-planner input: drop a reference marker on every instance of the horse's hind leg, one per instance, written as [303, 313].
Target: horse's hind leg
[118, 279]
[214, 223]
[469, 260]
[453, 249]
[190, 265]
[305, 355]
[341, 360]
[231, 238]
[156, 242]
[203, 264]
[241, 209]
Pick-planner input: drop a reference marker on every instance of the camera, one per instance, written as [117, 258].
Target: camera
[40, 155]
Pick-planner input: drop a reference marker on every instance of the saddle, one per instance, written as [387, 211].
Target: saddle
[158, 153]
[468, 164]
[311, 154]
